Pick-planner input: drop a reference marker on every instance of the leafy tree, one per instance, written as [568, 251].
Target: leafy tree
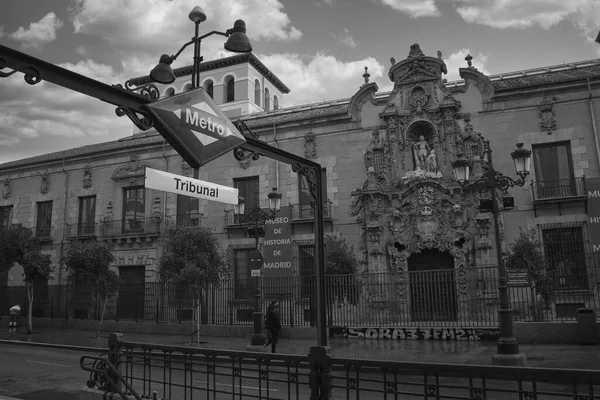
[89, 264]
[19, 245]
[194, 259]
[527, 254]
[341, 265]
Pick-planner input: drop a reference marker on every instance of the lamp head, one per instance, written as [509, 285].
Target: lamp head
[197, 15]
[461, 169]
[163, 73]
[240, 207]
[522, 159]
[274, 200]
[238, 42]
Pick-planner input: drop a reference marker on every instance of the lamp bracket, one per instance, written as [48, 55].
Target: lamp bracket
[496, 180]
[145, 122]
[311, 174]
[31, 74]
[150, 90]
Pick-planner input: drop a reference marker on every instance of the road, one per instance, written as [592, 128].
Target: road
[33, 373]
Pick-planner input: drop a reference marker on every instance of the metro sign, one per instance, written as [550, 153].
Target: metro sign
[195, 127]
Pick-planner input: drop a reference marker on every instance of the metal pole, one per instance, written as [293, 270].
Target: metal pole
[258, 337]
[320, 262]
[195, 67]
[507, 343]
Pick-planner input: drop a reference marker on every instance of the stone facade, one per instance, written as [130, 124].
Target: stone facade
[388, 164]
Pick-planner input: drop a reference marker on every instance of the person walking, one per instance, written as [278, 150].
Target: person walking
[14, 315]
[273, 325]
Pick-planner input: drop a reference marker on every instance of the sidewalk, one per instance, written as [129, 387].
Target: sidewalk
[453, 352]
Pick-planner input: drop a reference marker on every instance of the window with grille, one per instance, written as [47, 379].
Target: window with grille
[87, 215]
[134, 205]
[5, 216]
[248, 189]
[471, 148]
[188, 214]
[305, 198]
[306, 260]
[44, 218]
[242, 274]
[564, 249]
[378, 159]
[553, 170]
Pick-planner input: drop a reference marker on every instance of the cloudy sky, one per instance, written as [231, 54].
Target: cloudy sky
[318, 48]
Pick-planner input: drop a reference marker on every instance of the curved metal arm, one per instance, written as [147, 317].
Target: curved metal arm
[499, 181]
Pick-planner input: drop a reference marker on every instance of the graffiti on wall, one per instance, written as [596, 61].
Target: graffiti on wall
[446, 333]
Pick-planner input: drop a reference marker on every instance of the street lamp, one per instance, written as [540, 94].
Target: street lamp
[508, 346]
[237, 42]
[258, 217]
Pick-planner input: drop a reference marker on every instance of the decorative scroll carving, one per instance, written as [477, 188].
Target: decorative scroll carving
[143, 121]
[45, 186]
[87, 176]
[310, 146]
[547, 115]
[132, 171]
[108, 218]
[6, 189]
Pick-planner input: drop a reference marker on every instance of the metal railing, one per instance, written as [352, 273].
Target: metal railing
[78, 230]
[141, 226]
[168, 372]
[307, 212]
[563, 189]
[190, 220]
[411, 299]
[44, 232]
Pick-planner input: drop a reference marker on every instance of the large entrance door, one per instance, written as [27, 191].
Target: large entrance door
[131, 293]
[432, 286]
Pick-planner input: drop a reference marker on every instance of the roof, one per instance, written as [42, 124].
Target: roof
[535, 77]
[221, 63]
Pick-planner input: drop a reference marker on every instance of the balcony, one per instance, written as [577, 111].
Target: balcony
[191, 220]
[82, 231]
[131, 228]
[305, 212]
[43, 232]
[558, 192]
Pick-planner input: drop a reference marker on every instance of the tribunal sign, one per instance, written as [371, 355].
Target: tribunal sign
[179, 184]
[593, 205]
[195, 126]
[277, 245]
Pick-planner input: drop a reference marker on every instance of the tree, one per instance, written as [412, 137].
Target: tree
[341, 265]
[89, 264]
[19, 245]
[192, 258]
[527, 254]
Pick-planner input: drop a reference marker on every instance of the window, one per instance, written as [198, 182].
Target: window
[305, 209]
[243, 286]
[169, 92]
[209, 88]
[5, 216]
[230, 87]
[87, 215]
[248, 189]
[306, 254]
[470, 148]
[187, 211]
[134, 205]
[564, 250]
[275, 103]
[267, 100]
[187, 87]
[553, 170]
[257, 92]
[44, 218]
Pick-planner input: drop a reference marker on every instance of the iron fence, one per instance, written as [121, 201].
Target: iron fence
[167, 372]
[419, 299]
[130, 226]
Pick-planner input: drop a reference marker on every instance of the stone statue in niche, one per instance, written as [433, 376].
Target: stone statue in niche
[432, 162]
[87, 176]
[45, 186]
[421, 151]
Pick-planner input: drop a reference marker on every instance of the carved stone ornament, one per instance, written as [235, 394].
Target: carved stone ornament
[87, 176]
[310, 146]
[418, 98]
[133, 171]
[547, 115]
[109, 213]
[245, 163]
[45, 186]
[157, 213]
[6, 189]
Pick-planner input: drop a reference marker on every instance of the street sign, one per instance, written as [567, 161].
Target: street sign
[195, 126]
[256, 260]
[255, 272]
[179, 184]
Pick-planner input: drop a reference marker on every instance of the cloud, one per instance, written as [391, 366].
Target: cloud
[320, 77]
[38, 33]
[413, 8]
[456, 60]
[345, 39]
[584, 14]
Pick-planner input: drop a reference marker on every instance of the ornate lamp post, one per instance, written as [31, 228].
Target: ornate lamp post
[508, 346]
[258, 217]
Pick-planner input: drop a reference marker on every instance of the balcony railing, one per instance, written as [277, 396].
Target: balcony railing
[131, 227]
[82, 230]
[43, 232]
[192, 220]
[306, 212]
[559, 190]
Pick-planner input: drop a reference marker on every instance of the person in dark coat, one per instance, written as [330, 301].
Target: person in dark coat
[273, 324]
